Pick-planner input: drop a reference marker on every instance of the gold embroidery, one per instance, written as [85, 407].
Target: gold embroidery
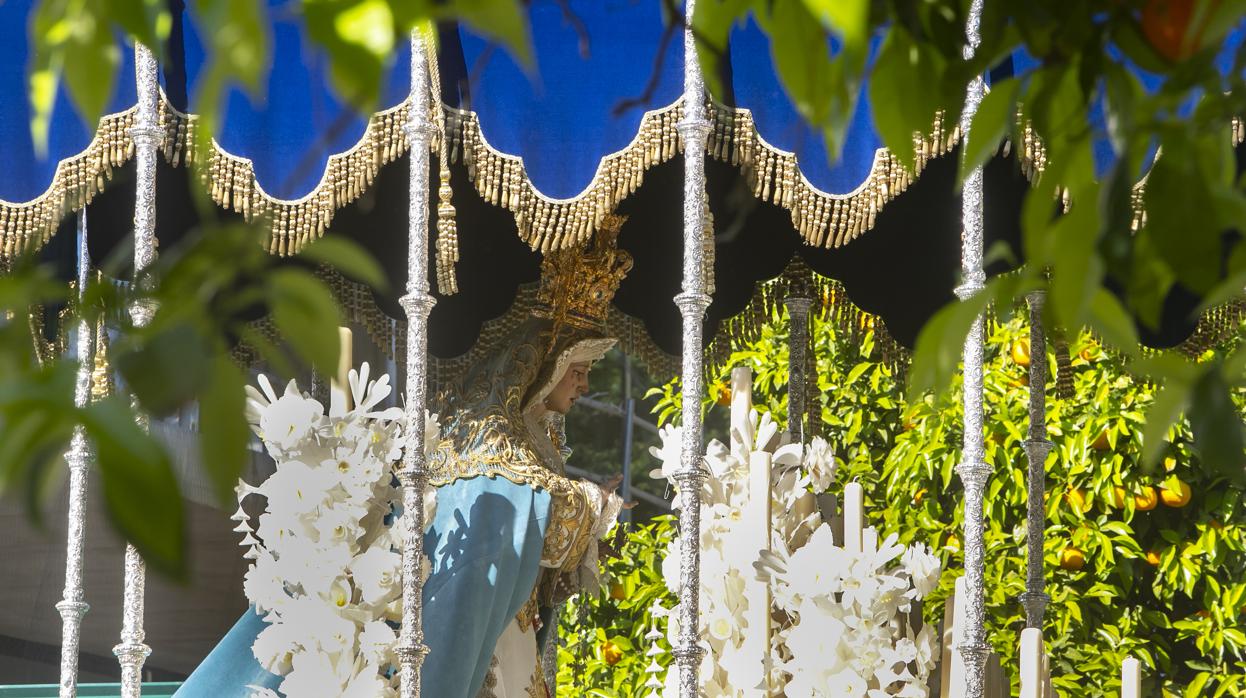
[570, 527]
[527, 612]
[536, 684]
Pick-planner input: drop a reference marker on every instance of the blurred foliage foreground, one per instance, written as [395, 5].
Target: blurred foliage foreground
[1138, 563]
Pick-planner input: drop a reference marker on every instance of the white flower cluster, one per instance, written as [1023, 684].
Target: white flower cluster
[327, 571]
[845, 630]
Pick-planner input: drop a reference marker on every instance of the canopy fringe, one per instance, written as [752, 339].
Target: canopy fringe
[292, 223]
[26, 226]
[831, 304]
[555, 224]
[822, 219]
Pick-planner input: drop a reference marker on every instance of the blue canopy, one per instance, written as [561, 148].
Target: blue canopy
[535, 157]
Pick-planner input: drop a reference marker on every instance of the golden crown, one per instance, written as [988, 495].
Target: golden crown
[577, 284]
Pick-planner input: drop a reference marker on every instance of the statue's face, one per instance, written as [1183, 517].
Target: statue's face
[573, 384]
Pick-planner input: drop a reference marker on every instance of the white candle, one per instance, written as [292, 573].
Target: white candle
[956, 677]
[853, 502]
[1131, 678]
[869, 540]
[339, 390]
[741, 410]
[1032, 678]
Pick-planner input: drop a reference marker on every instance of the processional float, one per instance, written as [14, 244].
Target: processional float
[486, 165]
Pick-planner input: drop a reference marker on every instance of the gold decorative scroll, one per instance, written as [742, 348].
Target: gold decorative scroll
[28, 225]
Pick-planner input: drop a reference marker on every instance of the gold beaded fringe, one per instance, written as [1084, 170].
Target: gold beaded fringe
[831, 304]
[556, 224]
[823, 220]
[26, 226]
[292, 223]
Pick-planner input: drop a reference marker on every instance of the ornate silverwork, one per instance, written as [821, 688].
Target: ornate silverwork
[1037, 446]
[973, 470]
[71, 606]
[693, 130]
[798, 343]
[131, 652]
[417, 303]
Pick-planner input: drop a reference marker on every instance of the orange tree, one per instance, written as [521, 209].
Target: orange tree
[1137, 563]
[602, 645]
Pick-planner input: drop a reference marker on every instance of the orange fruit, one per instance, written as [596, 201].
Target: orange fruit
[611, 653]
[1076, 499]
[1152, 558]
[1117, 497]
[1146, 500]
[1176, 499]
[1020, 351]
[617, 592]
[724, 395]
[1072, 559]
[1166, 23]
[1088, 353]
[917, 498]
[1202, 613]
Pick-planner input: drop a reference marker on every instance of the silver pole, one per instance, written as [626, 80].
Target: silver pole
[798, 341]
[147, 136]
[692, 302]
[973, 469]
[71, 606]
[1037, 446]
[629, 410]
[417, 303]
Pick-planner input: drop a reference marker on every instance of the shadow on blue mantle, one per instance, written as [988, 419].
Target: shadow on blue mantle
[156, 689]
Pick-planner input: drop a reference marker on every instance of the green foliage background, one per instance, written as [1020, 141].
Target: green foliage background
[1181, 616]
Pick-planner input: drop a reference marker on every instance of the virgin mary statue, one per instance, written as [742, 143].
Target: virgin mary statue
[513, 536]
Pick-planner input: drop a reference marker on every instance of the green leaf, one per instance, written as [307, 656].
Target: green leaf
[996, 116]
[358, 36]
[65, 36]
[1173, 396]
[237, 52]
[223, 432]
[503, 21]
[168, 370]
[1181, 214]
[347, 257]
[1217, 425]
[305, 313]
[711, 25]
[819, 87]
[1109, 319]
[848, 18]
[938, 350]
[908, 73]
[1076, 269]
[1232, 287]
[140, 491]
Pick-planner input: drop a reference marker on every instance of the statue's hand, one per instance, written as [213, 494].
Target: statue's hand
[609, 486]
